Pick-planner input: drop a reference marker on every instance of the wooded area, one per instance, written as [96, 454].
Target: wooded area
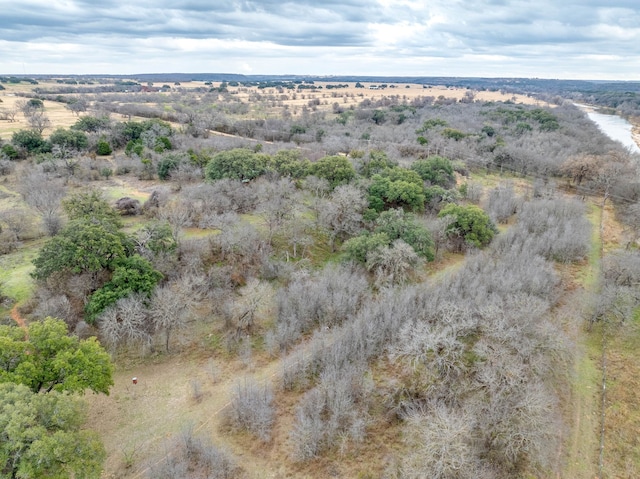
[333, 281]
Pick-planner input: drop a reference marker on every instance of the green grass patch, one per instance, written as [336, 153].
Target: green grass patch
[198, 233]
[588, 275]
[255, 220]
[7, 193]
[584, 404]
[113, 193]
[14, 273]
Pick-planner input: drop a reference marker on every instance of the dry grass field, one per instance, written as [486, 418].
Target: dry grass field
[56, 112]
[60, 116]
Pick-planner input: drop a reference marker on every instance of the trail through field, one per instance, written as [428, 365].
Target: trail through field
[15, 315]
[137, 420]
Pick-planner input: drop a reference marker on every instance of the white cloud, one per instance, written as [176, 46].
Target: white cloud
[548, 38]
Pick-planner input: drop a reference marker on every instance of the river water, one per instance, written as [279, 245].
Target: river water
[615, 127]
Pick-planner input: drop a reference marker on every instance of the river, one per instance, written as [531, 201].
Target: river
[615, 127]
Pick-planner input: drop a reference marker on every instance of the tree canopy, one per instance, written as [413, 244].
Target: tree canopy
[30, 141]
[470, 225]
[337, 170]
[82, 246]
[436, 170]
[237, 164]
[45, 358]
[90, 123]
[397, 187]
[90, 242]
[91, 206]
[391, 226]
[397, 224]
[131, 275]
[40, 436]
[75, 139]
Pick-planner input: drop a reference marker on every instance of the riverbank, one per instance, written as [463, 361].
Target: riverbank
[635, 129]
[624, 130]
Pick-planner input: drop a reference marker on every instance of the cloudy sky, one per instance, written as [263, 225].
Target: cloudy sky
[586, 39]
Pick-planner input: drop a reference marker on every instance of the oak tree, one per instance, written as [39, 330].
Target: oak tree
[45, 358]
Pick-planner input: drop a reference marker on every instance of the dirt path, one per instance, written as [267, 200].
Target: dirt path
[15, 315]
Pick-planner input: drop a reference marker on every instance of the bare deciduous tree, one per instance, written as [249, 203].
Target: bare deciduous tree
[342, 213]
[393, 264]
[8, 114]
[126, 322]
[327, 299]
[178, 215]
[438, 229]
[253, 302]
[168, 311]
[16, 220]
[252, 408]
[502, 203]
[440, 445]
[277, 204]
[44, 195]
[79, 105]
[38, 121]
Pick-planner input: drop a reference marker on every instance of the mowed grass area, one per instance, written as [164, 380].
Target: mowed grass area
[582, 410]
[622, 424]
[621, 456]
[15, 268]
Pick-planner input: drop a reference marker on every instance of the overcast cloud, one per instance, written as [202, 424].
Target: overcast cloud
[587, 39]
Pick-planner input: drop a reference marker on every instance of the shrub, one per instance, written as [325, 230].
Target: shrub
[436, 170]
[337, 170]
[336, 408]
[453, 134]
[162, 143]
[69, 138]
[166, 165]
[192, 456]
[471, 226]
[10, 152]
[103, 148]
[134, 146]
